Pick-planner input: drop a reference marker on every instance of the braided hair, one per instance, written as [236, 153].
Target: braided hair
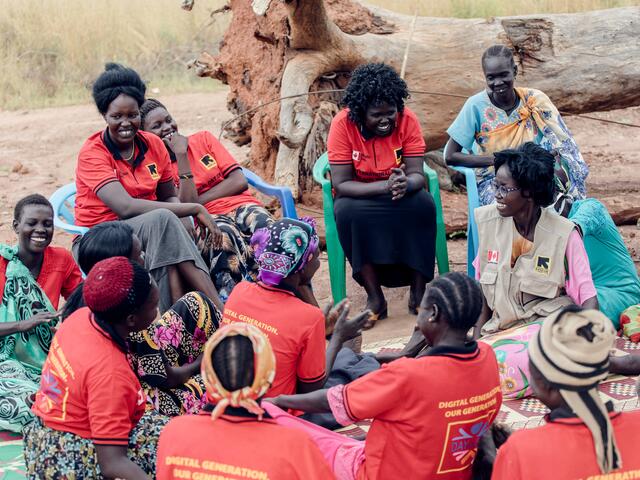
[233, 361]
[458, 297]
[533, 169]
[149, 105]
[114, 81]
[373, 84]
[499, 51]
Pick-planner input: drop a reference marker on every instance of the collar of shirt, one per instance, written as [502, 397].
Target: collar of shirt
[115, 151]
[463, 353]
[565, 415]
[234, 412]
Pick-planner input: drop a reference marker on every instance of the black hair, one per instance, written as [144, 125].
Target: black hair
[458, 297]
[105, 240]
[33, 199]
[114, 81]
[149, 105]
[233, 362]
[532, 168]
[499, 51]
[373, 84]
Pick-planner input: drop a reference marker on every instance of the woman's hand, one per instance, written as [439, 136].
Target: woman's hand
[177, 143]
[348, 328]
[398, 182]
[38, 319]
[211, 232]
[331, 315]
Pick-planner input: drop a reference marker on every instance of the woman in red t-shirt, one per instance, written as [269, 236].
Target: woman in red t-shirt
[428, 413]
[90, 420]
[123, 173]
[238, 367]
[166, 355]
[384, 215]
[33, 276]
[206, 173]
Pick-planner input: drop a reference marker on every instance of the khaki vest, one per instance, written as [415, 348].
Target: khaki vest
[534, 287]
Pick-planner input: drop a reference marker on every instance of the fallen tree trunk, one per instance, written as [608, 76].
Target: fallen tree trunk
[585, 62]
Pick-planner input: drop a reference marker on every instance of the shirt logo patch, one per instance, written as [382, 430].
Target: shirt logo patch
[208, 161]
[398, 152]
[355, 155]
[153, 171]
[542, 265]
[493, 256]
[461, 444]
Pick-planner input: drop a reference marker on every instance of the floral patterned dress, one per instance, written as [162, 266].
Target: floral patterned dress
[176, 339]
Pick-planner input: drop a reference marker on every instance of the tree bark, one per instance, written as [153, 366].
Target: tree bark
[584, 62]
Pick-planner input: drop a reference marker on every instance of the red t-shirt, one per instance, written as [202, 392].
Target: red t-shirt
[59, 274]
[236, 447]
[295, 330]
[97, 166]
[210, 164]
[374, 157]
[427, 415]
[563, 449]
[87, 385]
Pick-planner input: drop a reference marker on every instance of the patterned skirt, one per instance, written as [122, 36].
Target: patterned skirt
[17, 384]
[51, 453]
[235, 262]
[176, 339]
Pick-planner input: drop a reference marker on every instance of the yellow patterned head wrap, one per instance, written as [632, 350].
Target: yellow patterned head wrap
[264, 371]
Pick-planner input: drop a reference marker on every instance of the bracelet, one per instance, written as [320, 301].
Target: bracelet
[185, 176]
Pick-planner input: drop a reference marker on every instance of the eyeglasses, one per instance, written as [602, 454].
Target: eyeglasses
[502, 190]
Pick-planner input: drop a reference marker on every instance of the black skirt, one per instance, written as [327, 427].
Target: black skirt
[398, 237]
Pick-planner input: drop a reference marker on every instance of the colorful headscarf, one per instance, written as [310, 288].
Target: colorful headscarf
[264, 371]
[571, 351]
[284, 248]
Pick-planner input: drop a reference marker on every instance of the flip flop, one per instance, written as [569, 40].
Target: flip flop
[374, 317]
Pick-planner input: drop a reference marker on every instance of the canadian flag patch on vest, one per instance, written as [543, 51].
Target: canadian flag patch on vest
[493, 256]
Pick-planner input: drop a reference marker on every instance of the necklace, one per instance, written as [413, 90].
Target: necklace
[133, 149]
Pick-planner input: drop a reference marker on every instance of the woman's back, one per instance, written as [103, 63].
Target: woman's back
[428, 415]
[237, 445]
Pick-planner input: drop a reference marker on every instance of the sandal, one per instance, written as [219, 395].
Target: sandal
[374, 317]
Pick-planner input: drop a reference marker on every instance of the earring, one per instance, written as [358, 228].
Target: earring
[430, 319]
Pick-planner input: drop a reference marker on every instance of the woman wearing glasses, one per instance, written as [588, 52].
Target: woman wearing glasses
[531, 262]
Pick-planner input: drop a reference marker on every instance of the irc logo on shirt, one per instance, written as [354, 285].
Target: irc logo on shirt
[355, 155]
[493, 256]
[153, 171]
[209, 162]
[398, 152]
[461, 444]
[542, 265]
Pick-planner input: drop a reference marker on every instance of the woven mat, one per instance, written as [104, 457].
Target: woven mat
[528, 412]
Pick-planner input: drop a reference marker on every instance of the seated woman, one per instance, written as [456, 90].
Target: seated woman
[123, 173]
[612, 268]
[238, 368]
[583, 437]
[427, 415]
[376, 149]
[90, 407]
[166, 355]
[531, 262]
[504, 117]
[33, 276]
[206, 173]
[288, 256]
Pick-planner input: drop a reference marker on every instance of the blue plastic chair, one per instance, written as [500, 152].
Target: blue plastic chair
[63, 202]
[473, 202]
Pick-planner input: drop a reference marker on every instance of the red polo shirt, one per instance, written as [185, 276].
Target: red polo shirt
[295, 330]
[87, 385]
[563, 449]
[427, 416]
[59, 274]
[97, 166]
[373, 157]
[210, 164]
[234, 447]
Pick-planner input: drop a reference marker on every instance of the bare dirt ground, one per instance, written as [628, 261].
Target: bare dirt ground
[38, 150]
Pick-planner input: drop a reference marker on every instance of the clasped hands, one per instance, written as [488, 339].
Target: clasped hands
[397, 183]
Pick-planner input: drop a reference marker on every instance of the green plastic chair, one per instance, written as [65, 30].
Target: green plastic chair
[337, 272]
